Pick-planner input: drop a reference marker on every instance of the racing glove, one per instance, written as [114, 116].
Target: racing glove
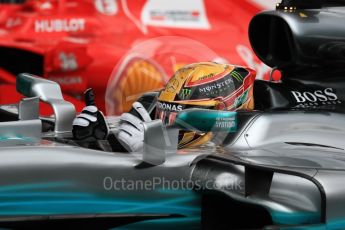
[131, 129]
[90, 124]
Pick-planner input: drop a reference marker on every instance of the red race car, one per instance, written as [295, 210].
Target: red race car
[136, 44]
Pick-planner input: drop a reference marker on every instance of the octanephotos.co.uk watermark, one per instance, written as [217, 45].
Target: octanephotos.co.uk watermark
[154, 183]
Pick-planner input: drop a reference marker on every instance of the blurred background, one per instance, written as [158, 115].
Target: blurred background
[120, 48]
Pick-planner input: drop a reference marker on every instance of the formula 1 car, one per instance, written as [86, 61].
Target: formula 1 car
[281, 166]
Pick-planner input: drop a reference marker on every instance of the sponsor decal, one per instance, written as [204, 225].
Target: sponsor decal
[172, 85]
[13, 22]
[176, 13]
[67, 80]
[59, 25]
[228, 87]
[185, 93]
[68, 62]
[207, 79]
[107, 7]
[169, 106]
[226, 122]
[206, 76]
[237, 76]
[215, 87]
[315, 98]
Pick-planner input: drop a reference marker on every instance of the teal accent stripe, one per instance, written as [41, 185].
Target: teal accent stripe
[295, 218]
[65, 197]
[36, 186]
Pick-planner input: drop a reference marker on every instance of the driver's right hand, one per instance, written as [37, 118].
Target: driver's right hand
[131, 129]
[90, 125]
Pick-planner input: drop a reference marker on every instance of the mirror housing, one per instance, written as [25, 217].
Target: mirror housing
[159, 141]
[49, 92]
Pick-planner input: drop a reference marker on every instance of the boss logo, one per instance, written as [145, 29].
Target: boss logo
[316, 96]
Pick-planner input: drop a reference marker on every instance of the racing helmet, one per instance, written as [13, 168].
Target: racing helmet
[206, 85]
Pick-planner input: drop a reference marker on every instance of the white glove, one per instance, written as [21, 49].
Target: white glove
[131, 130]
[90, 125]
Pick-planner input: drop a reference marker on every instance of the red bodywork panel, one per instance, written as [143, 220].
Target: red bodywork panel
[79, 42]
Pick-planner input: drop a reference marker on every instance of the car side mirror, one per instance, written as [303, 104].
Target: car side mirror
[49, 92]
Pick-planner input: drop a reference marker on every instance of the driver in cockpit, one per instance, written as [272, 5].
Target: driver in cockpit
[205, 85]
